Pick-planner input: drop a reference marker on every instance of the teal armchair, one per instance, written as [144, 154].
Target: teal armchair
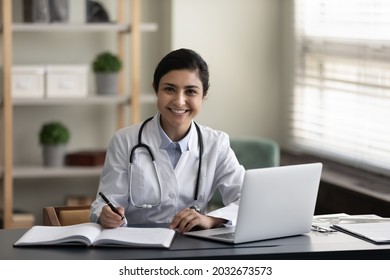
[251, 153]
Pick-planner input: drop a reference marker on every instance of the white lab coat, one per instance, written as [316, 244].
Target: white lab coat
[220, 170]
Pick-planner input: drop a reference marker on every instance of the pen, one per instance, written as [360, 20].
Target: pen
[110, 205]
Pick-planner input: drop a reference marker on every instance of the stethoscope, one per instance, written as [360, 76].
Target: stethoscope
[142, 145]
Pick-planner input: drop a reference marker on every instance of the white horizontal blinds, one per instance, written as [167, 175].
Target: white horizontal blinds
[341, 101]
[345, 19]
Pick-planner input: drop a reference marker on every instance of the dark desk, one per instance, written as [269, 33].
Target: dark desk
[311, 246]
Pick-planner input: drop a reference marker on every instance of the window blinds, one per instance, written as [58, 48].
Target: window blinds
[341, 102]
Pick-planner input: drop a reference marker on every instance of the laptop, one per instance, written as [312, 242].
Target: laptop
[275, 202]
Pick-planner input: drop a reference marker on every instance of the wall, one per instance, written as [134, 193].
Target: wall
[240, 41]
[238, 38]
[287, 51]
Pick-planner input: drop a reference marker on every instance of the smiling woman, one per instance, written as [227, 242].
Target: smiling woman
[154, 171]
[179, 100]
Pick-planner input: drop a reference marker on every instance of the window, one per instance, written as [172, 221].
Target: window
[341, 102]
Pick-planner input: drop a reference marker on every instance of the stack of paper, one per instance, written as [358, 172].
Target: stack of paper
[369, 227]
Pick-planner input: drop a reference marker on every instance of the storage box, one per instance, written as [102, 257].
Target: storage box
[79, 200]
[28, 81]
[86, 158]
[23, 220]
[66, 81]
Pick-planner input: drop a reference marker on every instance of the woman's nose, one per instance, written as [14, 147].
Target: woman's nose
[180, 98]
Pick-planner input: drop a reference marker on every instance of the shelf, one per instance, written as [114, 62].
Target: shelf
[149, 27]
[88, 27]
[31, 172]
[128, 32]
[147, 98]
[54, 27]
[90, 100]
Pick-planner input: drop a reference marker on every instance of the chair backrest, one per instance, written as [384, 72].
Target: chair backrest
[65, 215]
[251, 153]
[256, 152]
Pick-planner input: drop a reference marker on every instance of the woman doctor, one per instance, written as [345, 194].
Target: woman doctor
[191, 162]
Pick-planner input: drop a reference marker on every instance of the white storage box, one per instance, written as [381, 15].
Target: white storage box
[66, 81]
[28, 81]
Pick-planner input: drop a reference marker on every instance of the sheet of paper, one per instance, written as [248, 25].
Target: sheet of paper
[376, 232]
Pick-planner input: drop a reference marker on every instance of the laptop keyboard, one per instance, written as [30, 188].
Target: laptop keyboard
[229, 235]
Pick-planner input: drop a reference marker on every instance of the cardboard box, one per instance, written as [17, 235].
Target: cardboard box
[20, 219]
[23, 220]
[28, 81]
[66, 81]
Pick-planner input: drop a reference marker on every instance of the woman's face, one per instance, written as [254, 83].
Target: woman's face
[179, 100]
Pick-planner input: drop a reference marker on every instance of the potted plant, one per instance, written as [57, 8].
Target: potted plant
[106, 67]
[53, 137]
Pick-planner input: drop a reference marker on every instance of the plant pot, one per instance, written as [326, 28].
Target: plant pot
[54, 155]
[107, 83]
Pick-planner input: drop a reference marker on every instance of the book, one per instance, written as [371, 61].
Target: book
[376, 232]
[92, 234]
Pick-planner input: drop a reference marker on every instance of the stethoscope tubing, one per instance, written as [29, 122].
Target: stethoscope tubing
[142, 145]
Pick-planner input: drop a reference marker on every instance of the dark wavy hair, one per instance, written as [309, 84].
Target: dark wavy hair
[182, 59]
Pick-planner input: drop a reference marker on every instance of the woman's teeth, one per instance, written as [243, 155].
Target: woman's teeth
[177, 111]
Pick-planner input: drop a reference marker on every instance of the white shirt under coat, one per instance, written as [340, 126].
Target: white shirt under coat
[220, 170]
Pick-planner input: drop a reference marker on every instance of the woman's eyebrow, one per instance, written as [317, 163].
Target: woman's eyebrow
[169, 84]
[191, 86]
[186, 87]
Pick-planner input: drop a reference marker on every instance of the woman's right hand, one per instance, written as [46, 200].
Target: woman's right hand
[109, 219]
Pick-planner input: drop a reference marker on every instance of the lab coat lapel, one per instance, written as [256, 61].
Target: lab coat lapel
[187, 168]
[187, 158]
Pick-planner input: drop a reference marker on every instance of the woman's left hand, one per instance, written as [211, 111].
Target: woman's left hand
[187, 219]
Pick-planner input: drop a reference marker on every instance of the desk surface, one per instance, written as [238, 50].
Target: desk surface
[313, 245]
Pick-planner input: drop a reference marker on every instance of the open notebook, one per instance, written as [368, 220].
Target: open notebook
[275, 202]
[92, 234]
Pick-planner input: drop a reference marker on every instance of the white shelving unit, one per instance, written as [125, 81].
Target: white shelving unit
[9, 172]
[90, 27]
[90, 100]
[31, 172]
